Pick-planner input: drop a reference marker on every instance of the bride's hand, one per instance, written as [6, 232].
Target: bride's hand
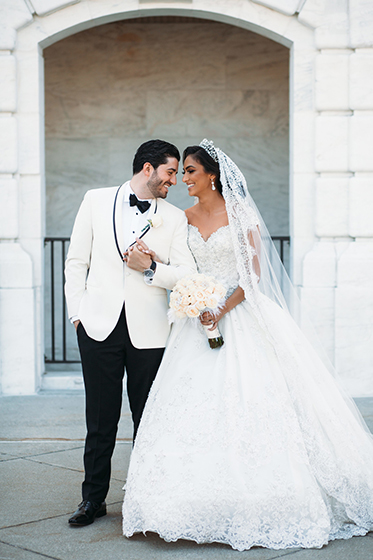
[141, 246]
[209, 319]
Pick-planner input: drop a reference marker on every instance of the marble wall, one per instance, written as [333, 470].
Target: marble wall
[110, 88]
[113, 86]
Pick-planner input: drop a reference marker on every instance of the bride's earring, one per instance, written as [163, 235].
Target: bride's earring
[213, 184]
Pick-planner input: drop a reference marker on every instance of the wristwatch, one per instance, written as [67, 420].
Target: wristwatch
[149, 272]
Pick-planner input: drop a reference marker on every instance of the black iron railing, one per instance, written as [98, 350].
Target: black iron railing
[60, 340]
[57, 349]
[282, 244]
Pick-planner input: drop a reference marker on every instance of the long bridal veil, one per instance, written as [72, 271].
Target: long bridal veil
[260, 269]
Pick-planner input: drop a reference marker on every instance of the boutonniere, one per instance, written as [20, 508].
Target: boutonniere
[155, 221]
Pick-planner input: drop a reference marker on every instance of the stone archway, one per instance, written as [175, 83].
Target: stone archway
[111, 87]
[22, 373]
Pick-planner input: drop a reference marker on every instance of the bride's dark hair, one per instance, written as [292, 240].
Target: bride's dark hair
[208, 164]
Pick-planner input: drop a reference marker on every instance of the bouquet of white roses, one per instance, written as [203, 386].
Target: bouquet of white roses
[192, 295]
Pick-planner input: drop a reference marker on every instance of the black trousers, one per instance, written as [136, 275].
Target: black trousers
[103, 366]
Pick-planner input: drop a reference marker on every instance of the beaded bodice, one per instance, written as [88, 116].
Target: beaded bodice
[215, 256]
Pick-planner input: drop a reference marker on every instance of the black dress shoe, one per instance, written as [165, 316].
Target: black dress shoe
[87, 513]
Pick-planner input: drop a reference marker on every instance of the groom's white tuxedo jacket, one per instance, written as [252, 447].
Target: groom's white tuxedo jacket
[98, 282]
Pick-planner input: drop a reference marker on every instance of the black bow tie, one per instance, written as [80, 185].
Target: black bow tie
[142, 205]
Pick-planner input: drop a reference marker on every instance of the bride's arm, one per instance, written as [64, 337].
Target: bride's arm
[211, 319]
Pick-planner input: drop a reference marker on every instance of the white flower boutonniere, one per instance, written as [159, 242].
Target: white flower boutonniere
[155, 221]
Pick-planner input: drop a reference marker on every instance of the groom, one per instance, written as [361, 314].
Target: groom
[117, 299]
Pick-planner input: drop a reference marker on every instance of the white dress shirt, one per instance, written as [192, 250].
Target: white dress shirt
[133, 220]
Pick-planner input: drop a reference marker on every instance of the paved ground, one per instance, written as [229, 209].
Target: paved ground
[41, 443]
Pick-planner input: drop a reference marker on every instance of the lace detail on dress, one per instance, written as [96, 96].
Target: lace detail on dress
[215, 256]
[251, 444]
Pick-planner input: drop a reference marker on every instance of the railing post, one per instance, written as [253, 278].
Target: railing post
[53, 341]
[63, 306]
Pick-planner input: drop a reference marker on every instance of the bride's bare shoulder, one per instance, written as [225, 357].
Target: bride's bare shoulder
[191, 213]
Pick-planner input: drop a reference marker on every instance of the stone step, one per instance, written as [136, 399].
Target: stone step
[62, 381]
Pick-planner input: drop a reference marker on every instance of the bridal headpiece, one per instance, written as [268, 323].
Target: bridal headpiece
[208, 145]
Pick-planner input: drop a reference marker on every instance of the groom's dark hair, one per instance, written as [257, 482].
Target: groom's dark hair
[154, 152]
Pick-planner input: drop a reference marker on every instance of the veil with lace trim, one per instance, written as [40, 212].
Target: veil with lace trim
[261, 271]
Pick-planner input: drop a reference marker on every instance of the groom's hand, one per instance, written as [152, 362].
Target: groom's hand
[141, 246]
[137, 260]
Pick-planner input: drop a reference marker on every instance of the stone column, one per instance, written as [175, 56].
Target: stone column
[17, 295]
[338, 271]
[354, 293]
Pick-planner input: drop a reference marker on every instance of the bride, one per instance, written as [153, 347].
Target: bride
[251, 444]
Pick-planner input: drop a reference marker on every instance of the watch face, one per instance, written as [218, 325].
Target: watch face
[148, 273]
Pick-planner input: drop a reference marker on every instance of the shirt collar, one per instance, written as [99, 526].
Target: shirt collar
[128, 191]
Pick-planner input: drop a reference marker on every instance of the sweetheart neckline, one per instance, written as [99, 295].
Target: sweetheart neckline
[211, 235]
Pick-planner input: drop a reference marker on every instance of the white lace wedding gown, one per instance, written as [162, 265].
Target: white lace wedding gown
[250, 444]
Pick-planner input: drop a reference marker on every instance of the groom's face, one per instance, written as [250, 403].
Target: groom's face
[163, 177]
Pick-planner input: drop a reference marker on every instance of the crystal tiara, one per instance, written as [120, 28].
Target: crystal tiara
[208, 145]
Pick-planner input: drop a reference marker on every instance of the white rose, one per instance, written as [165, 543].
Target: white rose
[201, 305]
[192, 311]
[156, 221]
[182, 291]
